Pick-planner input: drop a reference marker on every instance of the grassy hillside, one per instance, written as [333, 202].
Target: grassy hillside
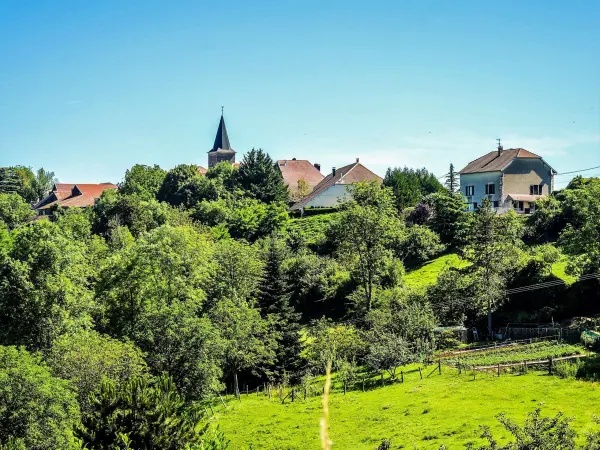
[427, 274]
[421, 414]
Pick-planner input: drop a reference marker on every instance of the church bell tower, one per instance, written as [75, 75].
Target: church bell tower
[221, 150]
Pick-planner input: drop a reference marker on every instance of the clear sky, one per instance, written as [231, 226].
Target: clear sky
[89, 88]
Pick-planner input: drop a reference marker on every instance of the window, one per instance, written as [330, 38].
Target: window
[518, 205]
[470, 190]
[490, 189]
[535, 189]
[474, 205]
[496, 204]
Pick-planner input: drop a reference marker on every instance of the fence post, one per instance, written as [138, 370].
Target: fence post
[222, 401]
[550, 365]
[459, 371]
[269, 391]
[440, 366]
[292, 395]
[257, 390]
[363, 384]
[382, 382]
[420, 372]
[344, 388]
[246, 390]
[402, 375]
[305, 393]
[473, 373]
[498, 369]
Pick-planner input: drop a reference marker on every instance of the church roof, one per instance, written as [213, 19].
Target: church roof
[222, 144]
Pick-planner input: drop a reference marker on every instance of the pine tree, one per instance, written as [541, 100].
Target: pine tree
[260, 179]
[274, 302]
[452, 183]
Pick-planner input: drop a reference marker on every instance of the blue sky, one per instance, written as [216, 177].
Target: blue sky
[88, 89]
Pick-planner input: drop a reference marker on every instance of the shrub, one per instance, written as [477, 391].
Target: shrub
[567, 369]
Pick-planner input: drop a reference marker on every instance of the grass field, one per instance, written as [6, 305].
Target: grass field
[427, 274]
[421, 414]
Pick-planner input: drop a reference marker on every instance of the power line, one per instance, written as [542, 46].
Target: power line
[576, 171]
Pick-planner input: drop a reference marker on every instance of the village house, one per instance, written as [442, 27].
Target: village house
[333, 189]
[511, 179]
[67, 195]
[299, 175]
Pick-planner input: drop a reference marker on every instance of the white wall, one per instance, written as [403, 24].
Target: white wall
[479, 180]
[330, 197]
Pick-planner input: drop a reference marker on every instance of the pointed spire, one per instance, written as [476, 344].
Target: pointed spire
[222, 139]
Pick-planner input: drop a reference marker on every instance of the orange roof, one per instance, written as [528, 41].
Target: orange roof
[494, 162]
[201, 170]
[74, 195]
[294, 170]
[352, 173]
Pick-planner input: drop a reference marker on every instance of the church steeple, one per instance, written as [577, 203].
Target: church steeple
[221, 150]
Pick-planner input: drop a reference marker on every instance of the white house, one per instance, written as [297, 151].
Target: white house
[511, 179]
[333, 189]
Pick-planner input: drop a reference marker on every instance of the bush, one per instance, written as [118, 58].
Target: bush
[567, 369]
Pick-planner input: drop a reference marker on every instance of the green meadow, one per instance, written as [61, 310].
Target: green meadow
[421, 414]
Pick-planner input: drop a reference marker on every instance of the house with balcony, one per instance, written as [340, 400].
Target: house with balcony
[511, 179]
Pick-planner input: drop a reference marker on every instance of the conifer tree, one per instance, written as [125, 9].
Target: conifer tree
[275, 304]
[452, 183]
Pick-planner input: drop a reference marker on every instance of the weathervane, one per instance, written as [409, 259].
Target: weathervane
[222, 110]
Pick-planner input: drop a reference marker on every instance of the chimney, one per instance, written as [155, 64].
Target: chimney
[317, 166]
[357, 160]
[500, 148]
[333, 171]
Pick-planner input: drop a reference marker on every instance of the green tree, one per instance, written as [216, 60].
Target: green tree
[239, 270]
[494, 251]
[174, 180]
[259, 178]
[326, 342]
[137, 213]
[249, 343]
[449, 218]
[36, 408]
[546, 255]
[417, 244]
[452, 180]
[10, 183]
[44, 180]
[367, 226]
[153, 292]
[410, 185]
[14, 211]
[538, 433]
[274, 301]
[139, 414]
[45, 286]
[88, 357]
[143, 180]
[388, 351]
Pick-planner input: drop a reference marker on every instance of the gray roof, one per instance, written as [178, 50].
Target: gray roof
[222, 144]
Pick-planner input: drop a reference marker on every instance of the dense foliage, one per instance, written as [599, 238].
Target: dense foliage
[179, 286]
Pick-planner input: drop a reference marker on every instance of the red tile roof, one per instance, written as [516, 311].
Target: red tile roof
[294, 170]
[494, 162]
[74, 195]
[352, 173]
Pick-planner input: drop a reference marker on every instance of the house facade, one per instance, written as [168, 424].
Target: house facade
[333, 189]
[511, 179]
